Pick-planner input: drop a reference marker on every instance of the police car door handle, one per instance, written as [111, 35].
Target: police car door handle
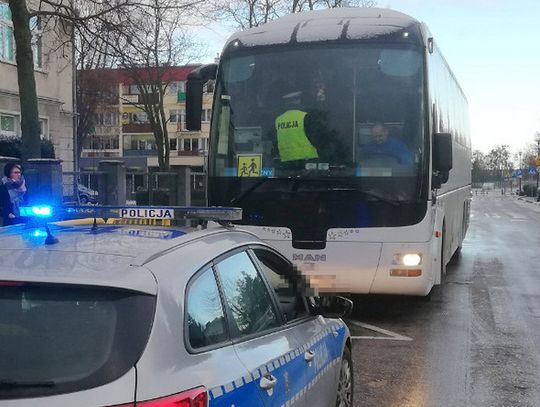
[309, 355]
[268, 382]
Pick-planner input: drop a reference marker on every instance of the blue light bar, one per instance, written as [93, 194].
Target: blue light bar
[50, 213]
[226, 214]
[38, 211]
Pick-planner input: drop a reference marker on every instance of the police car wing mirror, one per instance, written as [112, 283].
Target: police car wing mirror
[194, 94]
[332, 306]
[442, 158]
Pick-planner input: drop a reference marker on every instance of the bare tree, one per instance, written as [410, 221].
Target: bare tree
[95, 27]
[153, 42]
[60, 14]
[499, 158]
[25, 77]
[253, 13]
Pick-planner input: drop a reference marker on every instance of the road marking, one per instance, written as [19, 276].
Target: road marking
[391, 336]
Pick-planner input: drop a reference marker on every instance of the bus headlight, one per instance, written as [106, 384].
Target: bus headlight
[408, 259]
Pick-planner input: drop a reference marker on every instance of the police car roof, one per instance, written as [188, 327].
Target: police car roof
[113, 256]
[325, 25]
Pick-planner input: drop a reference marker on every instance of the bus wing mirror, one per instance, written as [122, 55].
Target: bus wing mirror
[442, 158]
[194, 94]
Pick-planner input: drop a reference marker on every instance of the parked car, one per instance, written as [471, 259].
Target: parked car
[125, 315]
[87, 195]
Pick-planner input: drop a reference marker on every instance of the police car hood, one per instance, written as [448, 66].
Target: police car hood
[81, 256]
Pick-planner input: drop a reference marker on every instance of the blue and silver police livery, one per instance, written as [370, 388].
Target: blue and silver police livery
[114, 314]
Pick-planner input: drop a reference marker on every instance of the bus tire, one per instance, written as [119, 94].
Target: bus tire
[457, 254]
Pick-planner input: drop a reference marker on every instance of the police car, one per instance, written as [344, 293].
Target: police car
[105, 314]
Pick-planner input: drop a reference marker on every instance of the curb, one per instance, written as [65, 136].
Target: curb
[528, 200]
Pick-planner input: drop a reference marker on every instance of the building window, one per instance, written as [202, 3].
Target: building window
[44, 128]
[139, 142]
[174, 116]
[195, 145]
[206, 115]
[209, 86]
[133, 90]
[7, 124]
[139, 117]
[173, 143]
[107, 118]
[37, 43]
[176, 86]
[7, 41]
[6, 34]
[179, 117]
[102, 143]
[182, 119]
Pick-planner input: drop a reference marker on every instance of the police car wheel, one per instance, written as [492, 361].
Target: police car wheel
[345, 384]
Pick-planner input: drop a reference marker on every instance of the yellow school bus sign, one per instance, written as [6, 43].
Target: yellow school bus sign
[249, 165]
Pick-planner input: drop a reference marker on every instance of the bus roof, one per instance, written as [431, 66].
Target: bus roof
[325, 25]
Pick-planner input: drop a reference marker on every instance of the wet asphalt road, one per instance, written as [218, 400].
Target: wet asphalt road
[477, 342]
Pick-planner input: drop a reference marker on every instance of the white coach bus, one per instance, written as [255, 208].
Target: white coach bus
[343, 135]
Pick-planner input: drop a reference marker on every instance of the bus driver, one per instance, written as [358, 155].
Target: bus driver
[384, 144]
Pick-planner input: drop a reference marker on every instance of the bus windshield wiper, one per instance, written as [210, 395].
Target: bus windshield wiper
[369, 194]
[15, 384]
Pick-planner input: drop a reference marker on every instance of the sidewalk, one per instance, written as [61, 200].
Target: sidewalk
[528, 199]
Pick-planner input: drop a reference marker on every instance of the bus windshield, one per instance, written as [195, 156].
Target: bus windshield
[341, 118]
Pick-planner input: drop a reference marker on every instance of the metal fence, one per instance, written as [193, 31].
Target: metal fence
[142, 187]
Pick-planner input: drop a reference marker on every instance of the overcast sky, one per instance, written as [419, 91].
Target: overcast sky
[493, 47]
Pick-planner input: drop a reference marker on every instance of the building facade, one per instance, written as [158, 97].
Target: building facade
[53, 67]
[122, 129]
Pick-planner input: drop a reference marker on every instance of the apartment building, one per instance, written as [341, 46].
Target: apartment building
[122, 130]
[53, 64]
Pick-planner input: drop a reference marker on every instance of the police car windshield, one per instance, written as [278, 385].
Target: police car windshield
[343, 111]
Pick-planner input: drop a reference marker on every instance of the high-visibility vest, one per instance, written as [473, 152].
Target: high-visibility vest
[293, 143]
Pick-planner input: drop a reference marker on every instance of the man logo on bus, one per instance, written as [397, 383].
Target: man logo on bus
[309, 257]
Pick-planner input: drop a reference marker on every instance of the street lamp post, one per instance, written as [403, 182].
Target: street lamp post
[519, 176]
[537, 156]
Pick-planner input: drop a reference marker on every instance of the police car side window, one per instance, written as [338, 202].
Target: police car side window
[285, 282]
[246, 295]
[204, 312]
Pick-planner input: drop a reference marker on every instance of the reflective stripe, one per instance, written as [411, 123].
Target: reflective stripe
[293, 143]
[236, 391]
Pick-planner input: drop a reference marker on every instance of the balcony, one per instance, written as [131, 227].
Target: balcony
[140, 153]
[188, 153]
[106, 130]
[88, 153]
[137, 128]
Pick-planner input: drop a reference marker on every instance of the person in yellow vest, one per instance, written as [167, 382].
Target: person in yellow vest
[293, 142]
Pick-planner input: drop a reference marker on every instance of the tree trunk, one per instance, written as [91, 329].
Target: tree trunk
[27, 82]
[166, 145]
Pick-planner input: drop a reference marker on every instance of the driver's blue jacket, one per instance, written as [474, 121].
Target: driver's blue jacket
[391, 147]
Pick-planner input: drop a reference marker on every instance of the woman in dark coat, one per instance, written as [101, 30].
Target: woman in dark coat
[12, 190]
